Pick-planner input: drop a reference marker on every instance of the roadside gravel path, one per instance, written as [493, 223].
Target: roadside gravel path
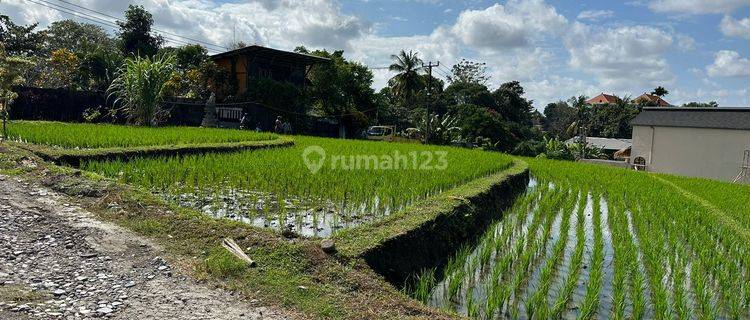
[58, 262]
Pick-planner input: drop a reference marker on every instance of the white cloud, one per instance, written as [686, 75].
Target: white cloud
[697, 6]
[520, 64]
[594, 15]
[621, 57]
[512, 25]
[283, 24]
[685, 42]
[729, 63]
[376, 51]
[554, 88]
[735, 28]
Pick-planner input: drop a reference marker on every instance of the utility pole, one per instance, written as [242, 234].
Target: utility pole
[429, 67]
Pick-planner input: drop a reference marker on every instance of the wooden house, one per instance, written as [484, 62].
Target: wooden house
[254, 62]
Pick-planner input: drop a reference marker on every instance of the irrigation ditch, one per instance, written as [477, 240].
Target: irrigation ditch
[426, 234]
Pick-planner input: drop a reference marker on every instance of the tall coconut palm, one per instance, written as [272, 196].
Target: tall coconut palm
[407, 82]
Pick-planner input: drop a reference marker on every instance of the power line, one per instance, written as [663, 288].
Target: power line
[445, 69]
[111, 23]
[441, 73]
[99, 20]
[155, 29]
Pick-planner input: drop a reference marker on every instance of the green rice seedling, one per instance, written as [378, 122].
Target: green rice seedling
[704, 302]
[472, 308]
[653, 261]
[591, 297]
[491, 304]
[576, 263]
[425, 283]
[89, 136]
[538, 299]
[536, 243]
[622, 255]
[456, 272]
[285, 171]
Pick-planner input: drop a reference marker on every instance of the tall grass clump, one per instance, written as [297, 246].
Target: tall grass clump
[139, 88]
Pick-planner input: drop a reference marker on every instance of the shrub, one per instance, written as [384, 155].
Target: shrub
[140, 86]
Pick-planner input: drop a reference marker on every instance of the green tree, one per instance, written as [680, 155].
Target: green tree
[79, 38]
[19, 40]
[140, 88]
[660, 91]
[341, 89]
[613, 121]
[479, 123]
[11, 71]
[135, 33]
[580, 126]
[511, 104]
[99, 67]
[468, 71]
[469, 93]
[63, 67]
[407, 82]
[195, 72]
[191, 56]
[559, 115]
[712, 104]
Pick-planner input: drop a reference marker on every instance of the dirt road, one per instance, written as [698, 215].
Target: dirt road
[58, 261]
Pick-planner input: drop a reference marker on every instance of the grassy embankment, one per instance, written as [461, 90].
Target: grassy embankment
[74, 143]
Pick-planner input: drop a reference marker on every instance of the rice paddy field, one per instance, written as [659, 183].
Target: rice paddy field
[92, 136]
[591, 242]
[275, 187]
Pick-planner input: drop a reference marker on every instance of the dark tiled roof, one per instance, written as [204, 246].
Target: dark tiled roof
[276, 54]
[718, 118]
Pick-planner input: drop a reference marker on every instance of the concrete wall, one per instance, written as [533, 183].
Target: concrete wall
[613, 163]
[700, 152]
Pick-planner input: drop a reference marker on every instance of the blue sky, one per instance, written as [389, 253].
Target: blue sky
[698, 49]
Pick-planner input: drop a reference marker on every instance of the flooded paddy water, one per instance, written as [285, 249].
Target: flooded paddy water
[567, 253]
[304, 217]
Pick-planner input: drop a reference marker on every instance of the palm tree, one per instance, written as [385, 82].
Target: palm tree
[407, 82]
[579, 127]
[660, 91]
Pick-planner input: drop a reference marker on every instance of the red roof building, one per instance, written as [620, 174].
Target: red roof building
[651, 100]
[603, 99]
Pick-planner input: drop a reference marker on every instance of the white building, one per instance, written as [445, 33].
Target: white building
[702, 142]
